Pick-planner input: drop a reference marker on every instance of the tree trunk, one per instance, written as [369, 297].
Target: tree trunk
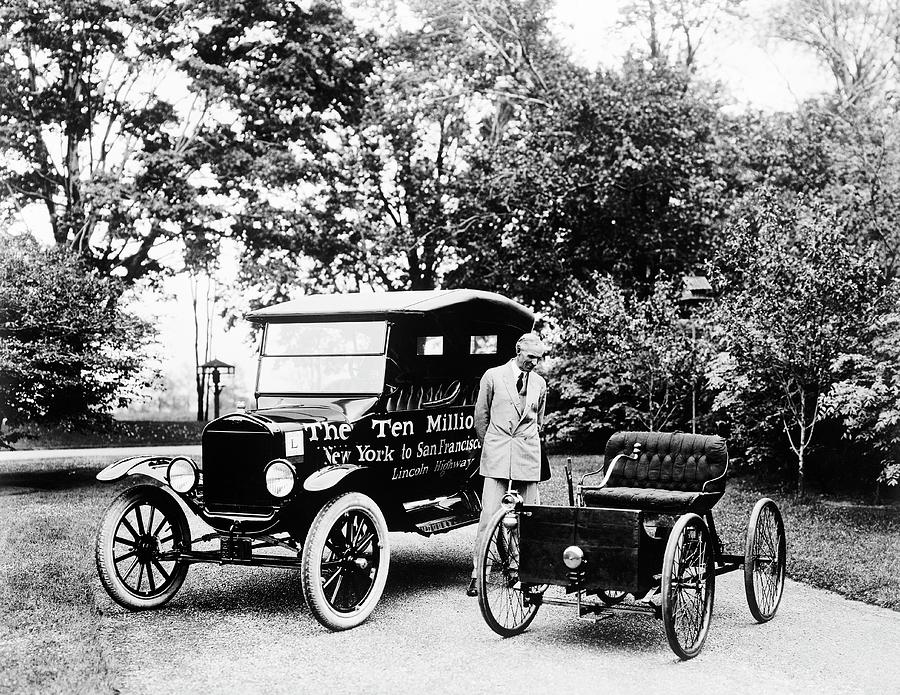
[201, 389]
[199, 374]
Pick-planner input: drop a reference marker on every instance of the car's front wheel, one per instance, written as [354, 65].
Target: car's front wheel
[345, 561]
[138, 544]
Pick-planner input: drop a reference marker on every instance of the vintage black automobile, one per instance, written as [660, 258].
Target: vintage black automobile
[363, 424]
[643, 539]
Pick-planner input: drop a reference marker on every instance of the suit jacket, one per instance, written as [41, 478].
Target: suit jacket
[510, 445]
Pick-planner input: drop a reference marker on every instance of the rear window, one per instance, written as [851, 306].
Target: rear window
[483, 345]
[430, 345]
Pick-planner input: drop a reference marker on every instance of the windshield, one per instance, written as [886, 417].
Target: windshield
[323, 358]
[339, 338]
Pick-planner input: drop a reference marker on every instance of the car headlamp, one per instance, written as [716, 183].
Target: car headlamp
[280, 478]
[181, 474]
[573, 556]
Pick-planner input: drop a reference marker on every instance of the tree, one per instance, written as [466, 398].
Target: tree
[67, 352]
[624, 362]
[866, 396]
[856, 40]
[856, 126]
[796, 295]
[142, 128]
[387, 216]
[617, 177]
[845, 154]
[674, 31]
[865, 186]
[203, 301]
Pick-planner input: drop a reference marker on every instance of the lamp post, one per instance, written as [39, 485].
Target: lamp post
[695, 289]
[216, 368]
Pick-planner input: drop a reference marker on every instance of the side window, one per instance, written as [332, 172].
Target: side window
[430, 345]
[483, 345]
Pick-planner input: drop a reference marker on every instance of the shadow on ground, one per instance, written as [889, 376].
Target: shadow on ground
[25, 482]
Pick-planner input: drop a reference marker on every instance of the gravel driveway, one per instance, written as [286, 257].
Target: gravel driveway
[239, 630]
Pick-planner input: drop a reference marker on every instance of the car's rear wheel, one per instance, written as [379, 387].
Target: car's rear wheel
[138, 543]
[345, 561]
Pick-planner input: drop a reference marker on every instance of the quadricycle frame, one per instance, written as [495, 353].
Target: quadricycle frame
[642, 540]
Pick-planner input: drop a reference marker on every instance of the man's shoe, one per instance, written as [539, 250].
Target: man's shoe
[472, 591]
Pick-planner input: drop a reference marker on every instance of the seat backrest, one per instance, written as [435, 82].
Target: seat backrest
[669, 461]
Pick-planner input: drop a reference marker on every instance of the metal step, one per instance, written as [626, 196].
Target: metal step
[447, 523]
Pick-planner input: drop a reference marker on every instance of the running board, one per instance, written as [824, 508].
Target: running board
[447, 523]
[445, 503]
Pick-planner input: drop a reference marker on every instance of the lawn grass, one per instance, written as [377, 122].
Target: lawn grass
[49, 640]
[848, 548]
[845, 547]
[116, 433]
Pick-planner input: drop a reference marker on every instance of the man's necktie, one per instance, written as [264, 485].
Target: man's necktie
[522, 387]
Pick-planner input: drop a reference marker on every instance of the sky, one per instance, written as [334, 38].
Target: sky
[756, 74]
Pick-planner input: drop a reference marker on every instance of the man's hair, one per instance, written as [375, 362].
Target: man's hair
[531, 342]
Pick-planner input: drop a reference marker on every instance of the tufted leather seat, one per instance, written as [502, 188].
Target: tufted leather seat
[675, 473]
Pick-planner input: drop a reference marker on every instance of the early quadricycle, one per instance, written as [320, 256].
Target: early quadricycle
[643, 540]
[362, 424]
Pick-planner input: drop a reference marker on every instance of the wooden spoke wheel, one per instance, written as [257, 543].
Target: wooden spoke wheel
[688, 586]
[764, 560]
[140, 538]
[345, 561]
[507, 606]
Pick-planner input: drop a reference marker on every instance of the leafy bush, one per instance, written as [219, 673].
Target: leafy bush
[797, 295]
[625, 362]
[867, 397]
[67, 351]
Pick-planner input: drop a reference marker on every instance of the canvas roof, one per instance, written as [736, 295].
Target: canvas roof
[380, 303]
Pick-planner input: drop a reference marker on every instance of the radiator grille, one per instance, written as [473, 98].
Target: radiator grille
[234, 464]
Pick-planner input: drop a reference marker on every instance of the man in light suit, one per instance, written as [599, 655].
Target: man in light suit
[509, 415]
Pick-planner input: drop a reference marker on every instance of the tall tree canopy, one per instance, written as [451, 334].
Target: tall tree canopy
[142, 127]
[855, 40]
[615, 175]
[388, 217]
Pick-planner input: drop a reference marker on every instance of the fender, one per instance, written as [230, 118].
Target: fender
[149, 466]
[326, 478]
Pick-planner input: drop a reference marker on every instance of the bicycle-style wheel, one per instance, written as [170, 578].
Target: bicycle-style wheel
[507, 607]
[764, 560]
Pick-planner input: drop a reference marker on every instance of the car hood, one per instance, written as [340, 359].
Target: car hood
[317, 410]
[303, 414]
[289, 417]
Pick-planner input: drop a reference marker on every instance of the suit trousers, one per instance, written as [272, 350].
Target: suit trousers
[491, 497]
